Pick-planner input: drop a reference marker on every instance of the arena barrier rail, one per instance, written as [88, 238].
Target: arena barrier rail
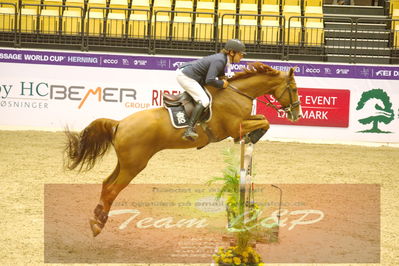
[193, 33]
[185, 31]
[9, 23]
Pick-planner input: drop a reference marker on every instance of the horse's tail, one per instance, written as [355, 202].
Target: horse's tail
[84, 148]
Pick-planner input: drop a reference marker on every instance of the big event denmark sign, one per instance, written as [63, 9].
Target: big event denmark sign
[44, 89]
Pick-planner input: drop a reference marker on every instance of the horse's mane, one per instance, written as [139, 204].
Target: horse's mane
[255, 68]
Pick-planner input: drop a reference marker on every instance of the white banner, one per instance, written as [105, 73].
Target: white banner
[52, 97]
[373, 112]
[41, 96]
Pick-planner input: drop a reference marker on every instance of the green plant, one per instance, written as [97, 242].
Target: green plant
[245, 231]
[230, 178]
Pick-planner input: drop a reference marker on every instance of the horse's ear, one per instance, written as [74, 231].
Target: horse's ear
[292, 70]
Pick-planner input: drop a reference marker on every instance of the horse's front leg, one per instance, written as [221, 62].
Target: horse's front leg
[257, 117]
[254, 128]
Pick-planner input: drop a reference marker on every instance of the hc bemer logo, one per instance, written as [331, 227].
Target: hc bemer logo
[62, 92]
[76, 93]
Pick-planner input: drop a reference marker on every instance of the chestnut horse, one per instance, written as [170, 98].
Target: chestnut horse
[139, 136]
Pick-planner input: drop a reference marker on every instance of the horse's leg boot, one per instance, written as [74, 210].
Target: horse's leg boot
[246, 138]
[190, 133]
[98, 223]
[255, 135]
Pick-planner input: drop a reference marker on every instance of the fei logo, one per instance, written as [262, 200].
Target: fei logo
[387, 73]
[380, 105]
[383, 73]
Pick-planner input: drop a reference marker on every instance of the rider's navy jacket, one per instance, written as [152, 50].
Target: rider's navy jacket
[207, 69]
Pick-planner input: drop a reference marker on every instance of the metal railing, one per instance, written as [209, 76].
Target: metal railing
[265, 36]
[9, 24]
[37, 25]
[307, 36]
[262, 34]
[117, 27]
[184, 31]
[385, 43]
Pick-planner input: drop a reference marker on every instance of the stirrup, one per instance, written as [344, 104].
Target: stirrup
[190, 134]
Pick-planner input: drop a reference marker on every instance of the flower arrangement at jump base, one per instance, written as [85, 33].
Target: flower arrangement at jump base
[231, 256]
[242, 213]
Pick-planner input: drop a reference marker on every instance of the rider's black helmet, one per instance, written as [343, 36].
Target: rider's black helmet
[235, 45]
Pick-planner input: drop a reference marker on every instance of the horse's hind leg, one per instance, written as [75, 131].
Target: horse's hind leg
[112, 186]
[100, 217]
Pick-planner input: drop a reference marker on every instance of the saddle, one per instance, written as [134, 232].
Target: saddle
[180, 108]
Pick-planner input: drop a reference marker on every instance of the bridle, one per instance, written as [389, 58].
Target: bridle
[287, 109]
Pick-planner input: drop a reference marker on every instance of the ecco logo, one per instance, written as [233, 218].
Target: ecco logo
[110, 61]
[312, 70]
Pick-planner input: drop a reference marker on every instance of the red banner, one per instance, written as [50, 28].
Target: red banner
[320, 107]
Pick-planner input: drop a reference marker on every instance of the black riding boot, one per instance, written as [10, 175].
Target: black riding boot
[190, 133]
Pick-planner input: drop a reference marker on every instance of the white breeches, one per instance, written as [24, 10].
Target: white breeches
[192, 87]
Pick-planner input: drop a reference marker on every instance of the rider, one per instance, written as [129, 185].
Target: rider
[205, 71]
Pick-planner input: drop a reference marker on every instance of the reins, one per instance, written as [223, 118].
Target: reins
[269, 103]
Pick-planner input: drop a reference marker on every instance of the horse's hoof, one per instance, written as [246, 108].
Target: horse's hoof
[95, 228]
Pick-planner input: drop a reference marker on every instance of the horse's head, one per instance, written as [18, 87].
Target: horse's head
[260, 79]
[287, 95]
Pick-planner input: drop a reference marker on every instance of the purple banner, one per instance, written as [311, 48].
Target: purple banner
[172, 63]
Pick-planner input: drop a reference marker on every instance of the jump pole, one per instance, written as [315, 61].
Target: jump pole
[245, 187]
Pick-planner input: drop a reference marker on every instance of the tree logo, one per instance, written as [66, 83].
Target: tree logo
[377, 101]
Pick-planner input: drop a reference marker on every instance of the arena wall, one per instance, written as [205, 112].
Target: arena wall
[50, 90]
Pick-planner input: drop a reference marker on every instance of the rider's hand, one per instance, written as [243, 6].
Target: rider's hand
[225, 84]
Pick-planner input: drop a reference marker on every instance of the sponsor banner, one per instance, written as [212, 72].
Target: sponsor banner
[320, 107]
[172, 63]
[172, 223]
[90, 59]
[373, 113]
[56, 96]
[45, 96]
